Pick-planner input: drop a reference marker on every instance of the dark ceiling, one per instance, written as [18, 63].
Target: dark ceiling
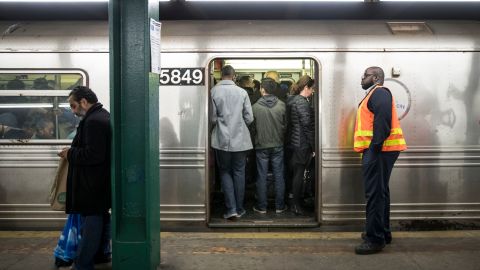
[181, 10]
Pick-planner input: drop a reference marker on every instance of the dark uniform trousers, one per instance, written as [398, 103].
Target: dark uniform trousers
[376, 169]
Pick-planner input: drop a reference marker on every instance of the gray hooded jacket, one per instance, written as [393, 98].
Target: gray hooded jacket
[270, 122]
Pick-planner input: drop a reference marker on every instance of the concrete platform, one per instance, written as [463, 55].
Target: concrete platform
[459, 250]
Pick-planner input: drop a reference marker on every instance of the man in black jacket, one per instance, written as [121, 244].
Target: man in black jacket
[88, 180]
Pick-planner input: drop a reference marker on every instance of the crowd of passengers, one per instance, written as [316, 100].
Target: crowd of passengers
[34, 123]
[268, 124]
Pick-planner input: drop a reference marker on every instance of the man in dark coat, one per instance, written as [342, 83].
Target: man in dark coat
[88, 181]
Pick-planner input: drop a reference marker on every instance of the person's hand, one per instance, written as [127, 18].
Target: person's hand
[64, 152]
[313, 154]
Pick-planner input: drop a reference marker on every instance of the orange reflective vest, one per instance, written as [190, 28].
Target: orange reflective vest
[364, 128]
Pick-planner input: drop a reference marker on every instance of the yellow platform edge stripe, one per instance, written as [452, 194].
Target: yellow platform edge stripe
[264, 235]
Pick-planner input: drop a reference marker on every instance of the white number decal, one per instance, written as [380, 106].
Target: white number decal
[186, 76]
[164, 76]
[197, 76]
[176, 76]
[181, 76]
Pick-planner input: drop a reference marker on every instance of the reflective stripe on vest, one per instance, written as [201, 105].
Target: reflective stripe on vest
[364, 128]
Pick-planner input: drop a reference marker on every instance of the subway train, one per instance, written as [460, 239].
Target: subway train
[432, 68]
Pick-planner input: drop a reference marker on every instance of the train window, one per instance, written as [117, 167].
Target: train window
[34, 105]
[249, 73]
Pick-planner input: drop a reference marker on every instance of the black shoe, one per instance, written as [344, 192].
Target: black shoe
[368, 248]
[61, 263]
[100, 260]
[388, 240]
[297, 210]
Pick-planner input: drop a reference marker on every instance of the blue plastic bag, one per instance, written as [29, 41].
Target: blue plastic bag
[66, 248]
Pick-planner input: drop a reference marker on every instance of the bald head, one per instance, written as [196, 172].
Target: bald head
[378, 74]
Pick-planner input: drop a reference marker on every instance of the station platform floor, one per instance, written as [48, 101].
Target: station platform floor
[458, 250]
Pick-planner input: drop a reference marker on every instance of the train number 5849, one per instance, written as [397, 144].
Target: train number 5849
[182, 76]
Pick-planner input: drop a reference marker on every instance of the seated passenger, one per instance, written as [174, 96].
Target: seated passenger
[8, 127]
[279, 92]
[41, 84]
[15, 84]
[44, 129]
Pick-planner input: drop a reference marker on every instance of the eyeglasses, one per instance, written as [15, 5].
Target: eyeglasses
[366, 76]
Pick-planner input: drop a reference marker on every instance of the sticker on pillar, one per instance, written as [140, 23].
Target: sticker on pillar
[155, 28]
[182, 76]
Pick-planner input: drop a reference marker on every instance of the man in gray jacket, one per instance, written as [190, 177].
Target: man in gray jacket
[231, 113]
[270, 127]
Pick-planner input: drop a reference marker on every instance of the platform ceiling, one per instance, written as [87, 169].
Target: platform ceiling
[181, 10]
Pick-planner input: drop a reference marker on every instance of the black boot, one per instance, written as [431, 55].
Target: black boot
[368, 248]
[388, 239]
[298, 210]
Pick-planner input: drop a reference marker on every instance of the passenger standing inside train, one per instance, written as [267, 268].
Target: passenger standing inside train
[279, 91]
[379, 137]
[88, 180]
[246, 82]
[270, 127]
[231, 113]
[300, 136]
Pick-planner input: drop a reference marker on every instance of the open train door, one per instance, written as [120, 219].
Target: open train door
[288, 70]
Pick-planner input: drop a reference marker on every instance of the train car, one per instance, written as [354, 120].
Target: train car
[431, 68]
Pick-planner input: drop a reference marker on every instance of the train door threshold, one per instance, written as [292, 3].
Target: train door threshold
[268, 220]
[263, 223]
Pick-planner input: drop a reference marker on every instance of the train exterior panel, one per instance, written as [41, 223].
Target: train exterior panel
[432, 72]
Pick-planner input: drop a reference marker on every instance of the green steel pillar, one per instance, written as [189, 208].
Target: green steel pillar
[134, 117]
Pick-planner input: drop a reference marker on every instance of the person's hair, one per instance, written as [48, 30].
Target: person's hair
[378, 72]
[305, 80]
[257, 85]
[244, 81]
[80, 92]
[273, 75]
[228, 71]
[269, 85]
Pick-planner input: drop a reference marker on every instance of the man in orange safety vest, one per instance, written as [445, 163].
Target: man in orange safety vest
[379, 137]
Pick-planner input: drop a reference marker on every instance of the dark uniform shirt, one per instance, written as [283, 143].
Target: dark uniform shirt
[380, 104]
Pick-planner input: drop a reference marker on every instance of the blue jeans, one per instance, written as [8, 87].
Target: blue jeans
[95, 241]
[275, 156]
[232, 172]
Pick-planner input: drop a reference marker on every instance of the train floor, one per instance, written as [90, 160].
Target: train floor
[459, 250]
[254, 219]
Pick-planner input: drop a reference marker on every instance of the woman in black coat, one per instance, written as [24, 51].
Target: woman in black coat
[301, 136]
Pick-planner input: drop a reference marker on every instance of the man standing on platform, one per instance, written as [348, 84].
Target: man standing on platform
[231, 113]
[88, 180]
[379, 137]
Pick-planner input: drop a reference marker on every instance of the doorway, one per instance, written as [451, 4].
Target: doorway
[249, 73]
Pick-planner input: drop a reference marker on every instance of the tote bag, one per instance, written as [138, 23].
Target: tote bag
[58, 192]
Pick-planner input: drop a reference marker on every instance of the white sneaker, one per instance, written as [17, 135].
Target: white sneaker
[279, 211]
[229, 216]
[239, 215]
[259, 211]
